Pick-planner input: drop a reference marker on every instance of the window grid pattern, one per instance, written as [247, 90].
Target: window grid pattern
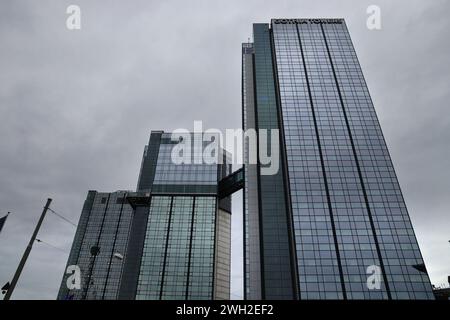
[202, 250]
[276, 256]
[150, 275]
[114, 239]
[169, 173]
[399, 247]
[246, 58]
[354, 232]
[106, 217]
[317, 261]
[354, 235]
[77, 243]
[355, 163]
[178, 255]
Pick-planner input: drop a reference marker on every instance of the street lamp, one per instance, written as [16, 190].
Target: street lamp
[118, 256]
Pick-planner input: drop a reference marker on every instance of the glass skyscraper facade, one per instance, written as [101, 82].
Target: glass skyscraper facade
[178, 256]
[334, 212]
[172, 234]
[104, 224]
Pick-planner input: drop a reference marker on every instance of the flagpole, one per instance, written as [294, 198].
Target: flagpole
[26, 253]
[4, 221]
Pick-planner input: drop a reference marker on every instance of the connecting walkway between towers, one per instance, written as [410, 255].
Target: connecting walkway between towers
[231, 183]
[228, 185]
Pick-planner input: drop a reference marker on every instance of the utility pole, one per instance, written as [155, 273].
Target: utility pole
[26, 253]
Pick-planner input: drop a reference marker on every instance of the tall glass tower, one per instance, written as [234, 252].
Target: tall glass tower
[180, 239]
[99, 246]
[332, 223]
[169, 239]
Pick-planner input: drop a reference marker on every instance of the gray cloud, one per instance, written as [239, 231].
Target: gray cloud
[77, 106]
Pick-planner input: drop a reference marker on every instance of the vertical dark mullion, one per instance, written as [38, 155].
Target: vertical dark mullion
[84, 234]
[322, 162]
[244, 220]
[190, 248]
[166, 249]
[94, 259]
[216, 247]
[85, 229]
[258, 174]
[113, 247]
[355, 155]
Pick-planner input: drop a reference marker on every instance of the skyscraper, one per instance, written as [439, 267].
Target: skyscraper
[179, 245]
[332, 223]
[100, 241]
[170, 239]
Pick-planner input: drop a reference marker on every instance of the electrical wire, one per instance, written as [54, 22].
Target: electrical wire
[50, 245]
[62, 217]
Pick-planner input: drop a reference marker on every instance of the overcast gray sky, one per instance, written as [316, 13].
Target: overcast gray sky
[76, 107]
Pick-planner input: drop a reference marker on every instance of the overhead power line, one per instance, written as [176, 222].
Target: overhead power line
[62, 217]
[50, 245]
[26, 253]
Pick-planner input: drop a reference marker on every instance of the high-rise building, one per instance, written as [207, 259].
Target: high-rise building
[99, 246]
[332, 223]
[168, 240]
[179, 246]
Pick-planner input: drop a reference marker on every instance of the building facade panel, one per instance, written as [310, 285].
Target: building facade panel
[201, 262]
[398, 245]
[107, 226]
[318, 265]
[275, 245]
[179, 249]
[150, 275]
[222, 256]
[345, 207]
